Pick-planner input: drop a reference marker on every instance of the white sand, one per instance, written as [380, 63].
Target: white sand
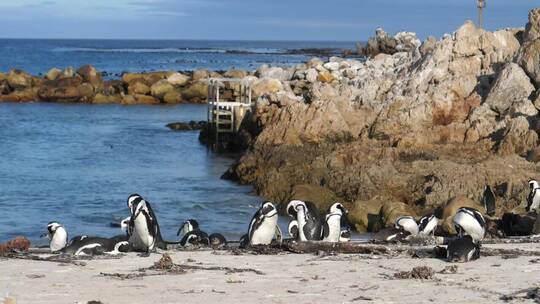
[288, 278]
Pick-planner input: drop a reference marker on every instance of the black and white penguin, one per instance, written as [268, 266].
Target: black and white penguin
[427, 225]
[188, 226]
[263, 226]
[488, 200]
[403, 229]
[469, 221]
[462, 249]
[195, 238]
[217, 241]
[308, 218]
[145, 233]
[533, 200]
[332, 225]
[293, 229]
[81, 245]
[345, 235]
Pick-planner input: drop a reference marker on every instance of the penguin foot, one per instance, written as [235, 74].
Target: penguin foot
[144, 254]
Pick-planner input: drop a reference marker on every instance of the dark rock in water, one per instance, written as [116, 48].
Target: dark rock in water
[187, 126]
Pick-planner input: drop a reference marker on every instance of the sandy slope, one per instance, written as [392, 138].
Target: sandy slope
[287, 278]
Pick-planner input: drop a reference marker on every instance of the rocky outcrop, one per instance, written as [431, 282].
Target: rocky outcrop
[383, 43]
[415, 128]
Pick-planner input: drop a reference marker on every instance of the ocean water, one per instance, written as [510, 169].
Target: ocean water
[117, 56]
[77, 164]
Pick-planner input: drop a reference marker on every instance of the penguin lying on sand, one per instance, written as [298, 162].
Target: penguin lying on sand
[82, 245]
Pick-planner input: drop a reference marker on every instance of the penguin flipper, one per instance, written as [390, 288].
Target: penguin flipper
[325, 230]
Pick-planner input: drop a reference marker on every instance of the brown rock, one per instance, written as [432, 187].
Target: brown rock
[138, 86]
[178, 79]
[128, 78]
[512, 86]
[139, 99]
[172, 97]
[325, 77]
[266, 86]
[200, 74]
[366, 215]
[236, 74]
[25, 95]
[91, 75]
[53, 74]
[390, 211]
[18, 79]
[197, 92]
[100, 98]
[517, 138]
[160, 88]
[323, 198]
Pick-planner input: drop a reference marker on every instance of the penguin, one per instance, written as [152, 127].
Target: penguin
[469, 221]
[244, 241]
[188, 226]
[462, 249]
[293, 229]
[81, 245]
[331, 231]
[427, 225]
[533, 200]
[125, 227]
[195, 238]
[145, 233]
[308, 218]
[263, 226]
[217, 241]
[407, 223]
[403, 229]
[57, 235]
[488, 200]
[345, 235]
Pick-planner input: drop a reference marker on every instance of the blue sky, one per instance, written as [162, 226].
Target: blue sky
[344, 20]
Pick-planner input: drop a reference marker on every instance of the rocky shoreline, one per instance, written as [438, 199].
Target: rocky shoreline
[405, 132]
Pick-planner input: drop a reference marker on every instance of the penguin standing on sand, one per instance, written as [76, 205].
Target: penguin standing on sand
[469, 221]
[82, 245]
[331, 231]
[263, 226]
[144, 227]
[533, 200]
[488, 200]
[308, 218]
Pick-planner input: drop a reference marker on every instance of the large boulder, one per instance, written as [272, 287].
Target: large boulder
[24, 95]
[517, 138]
[100, 98]
[391, 210]
[18, 79]
[321, 197]
[529, 60]
[91, 75]
[178, 79]
[138, 99]
[236, 73]
[172, 97]
[512, 86]
[451, 207]
[266, 86]
[160, 88]
[53, 74]
[138, 86]
[197, 92]
[281, 74]
[366, 215]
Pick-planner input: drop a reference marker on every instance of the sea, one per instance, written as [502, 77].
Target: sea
[78, 163]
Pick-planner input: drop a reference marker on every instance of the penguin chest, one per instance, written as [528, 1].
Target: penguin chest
[58, 241]
[334, 229]
[264, 232]
[141, 237]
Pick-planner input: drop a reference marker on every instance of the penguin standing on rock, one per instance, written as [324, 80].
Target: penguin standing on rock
[263, 226]
[308, 219]
[331, 231]
[533, 200]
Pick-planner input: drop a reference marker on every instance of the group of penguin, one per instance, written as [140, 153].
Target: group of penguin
[142, 232]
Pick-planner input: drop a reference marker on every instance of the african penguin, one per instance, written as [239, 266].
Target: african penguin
[195, 238]
[293, 229]
[308, 218]
[263, 226]
[145, 233]
[469, 221]
[345, 235]
[188, 226]
[57, 235]
[427, 225]
[332, 225]
[533, 200]
[81, 245]
[217, 241]
[488, 200]
[462, 249]
[407, 223]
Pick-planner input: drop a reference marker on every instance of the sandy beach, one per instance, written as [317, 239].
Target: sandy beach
[282, 278]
